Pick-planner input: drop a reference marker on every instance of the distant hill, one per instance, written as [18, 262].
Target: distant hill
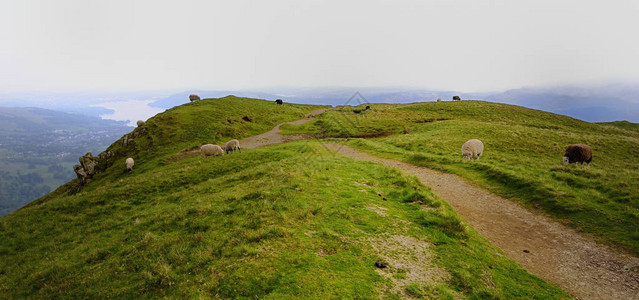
[593, 103]
[39, 146]
[183, 97]
[614, 101]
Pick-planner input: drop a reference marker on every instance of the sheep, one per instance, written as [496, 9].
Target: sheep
[439, 99]
[456, 98]
[129, 164]
[368, 107]
[279, 101]
[140, 123]
[472, 148]
[210, 149]
[231, 146]
[577, 153]
[194, 97]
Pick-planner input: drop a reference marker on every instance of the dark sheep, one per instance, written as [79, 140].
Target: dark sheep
[194, 97]
[368, 107]
[279, 101]
[456, 98]
[577, 153]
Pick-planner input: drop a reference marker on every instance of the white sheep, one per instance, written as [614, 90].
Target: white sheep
[140, 123]
[472, 148]
[210, 149]
[129, 164]
[232, 145]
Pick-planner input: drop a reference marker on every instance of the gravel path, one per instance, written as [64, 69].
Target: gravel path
[274, 137]
[546, 248]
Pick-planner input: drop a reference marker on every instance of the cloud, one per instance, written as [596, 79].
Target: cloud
[457, 45]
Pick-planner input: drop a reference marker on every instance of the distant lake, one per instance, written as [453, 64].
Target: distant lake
[130, 110]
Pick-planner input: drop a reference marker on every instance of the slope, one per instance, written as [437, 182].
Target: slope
[522, 159]
[277, 222]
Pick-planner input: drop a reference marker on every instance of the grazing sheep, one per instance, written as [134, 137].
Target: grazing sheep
[439, 99]
[140, 123]
[456, 98]
[279, 101]
[194, 97]
[210, 149]
[577, 153]
[231, 146]
[472, 148]
[129, 164]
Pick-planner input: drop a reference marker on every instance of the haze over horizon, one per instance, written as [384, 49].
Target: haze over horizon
[467, 46]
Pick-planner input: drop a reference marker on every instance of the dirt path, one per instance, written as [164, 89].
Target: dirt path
[274, 137]
[552, 251]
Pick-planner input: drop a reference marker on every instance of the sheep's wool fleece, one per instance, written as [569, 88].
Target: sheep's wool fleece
[472, 148]
[232, 145]
[129, 163]
[210, 149]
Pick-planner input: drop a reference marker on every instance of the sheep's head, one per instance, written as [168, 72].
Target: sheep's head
[566, 160]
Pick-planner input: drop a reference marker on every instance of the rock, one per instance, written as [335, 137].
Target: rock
[87, 168]
[79, 171]
[126, 140]
[380, 264]
[89, 163]
[105, 155]
[247, 119]
[526, 251]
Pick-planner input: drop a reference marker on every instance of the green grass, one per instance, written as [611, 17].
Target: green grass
[287, 221]
[623, 124]
[522, 158]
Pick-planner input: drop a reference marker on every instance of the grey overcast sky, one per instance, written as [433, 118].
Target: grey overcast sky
[66, 46]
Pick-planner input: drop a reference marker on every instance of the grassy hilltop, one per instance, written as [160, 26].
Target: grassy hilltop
[279, 222]
[522, 158]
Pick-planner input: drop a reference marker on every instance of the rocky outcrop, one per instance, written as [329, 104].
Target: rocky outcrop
[91, 165]
[87, 168]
